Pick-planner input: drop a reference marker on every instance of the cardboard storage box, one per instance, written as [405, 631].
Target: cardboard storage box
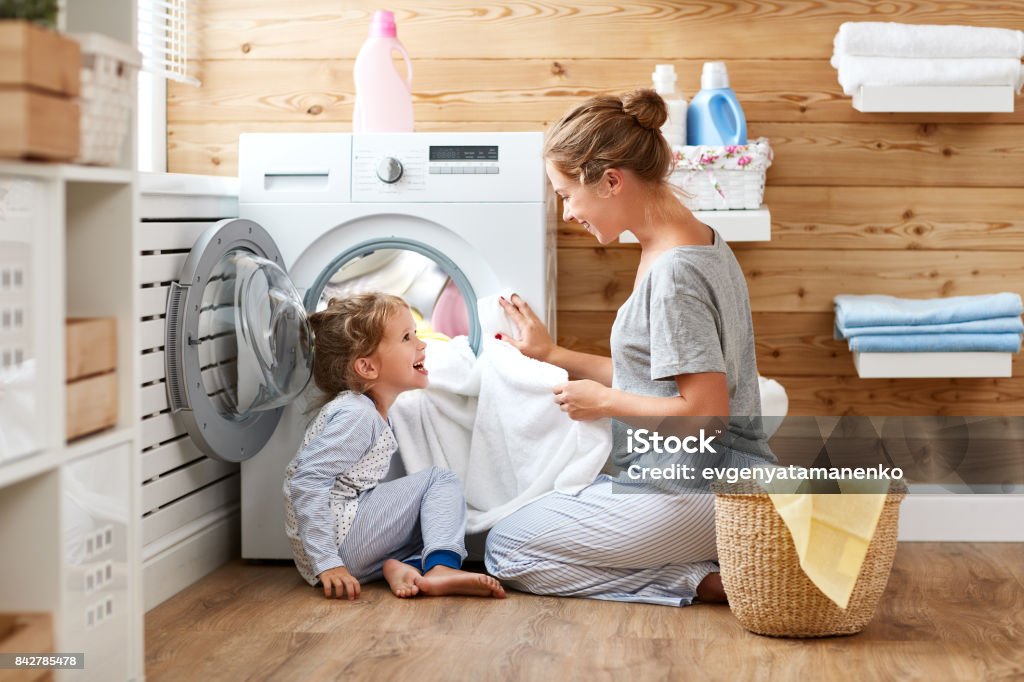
[91, 366]
[26, 633]
[40, 74]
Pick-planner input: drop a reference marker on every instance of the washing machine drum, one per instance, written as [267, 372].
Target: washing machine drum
[238, 343]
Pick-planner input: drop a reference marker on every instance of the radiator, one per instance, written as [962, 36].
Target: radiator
[190, 503]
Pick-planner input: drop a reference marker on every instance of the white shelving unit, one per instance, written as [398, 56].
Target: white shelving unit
[70, 529]
[932, 365]
[934, 99]
[754, 225]
[69, 513]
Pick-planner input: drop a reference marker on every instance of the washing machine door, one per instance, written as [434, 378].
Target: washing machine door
[238, 342]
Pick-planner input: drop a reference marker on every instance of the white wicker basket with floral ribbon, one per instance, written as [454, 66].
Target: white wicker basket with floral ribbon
[109, 75]
[722, 178]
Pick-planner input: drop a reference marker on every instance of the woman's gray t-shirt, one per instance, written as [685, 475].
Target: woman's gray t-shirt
[690, 314]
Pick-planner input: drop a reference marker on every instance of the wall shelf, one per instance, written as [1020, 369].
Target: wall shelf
[753, 225]
[937, 99]
[933, 365]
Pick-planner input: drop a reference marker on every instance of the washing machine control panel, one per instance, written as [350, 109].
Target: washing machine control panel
[446, 167]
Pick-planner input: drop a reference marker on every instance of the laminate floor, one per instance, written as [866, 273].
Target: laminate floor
[951, 611]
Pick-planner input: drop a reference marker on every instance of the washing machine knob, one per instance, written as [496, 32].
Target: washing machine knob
[389, 170]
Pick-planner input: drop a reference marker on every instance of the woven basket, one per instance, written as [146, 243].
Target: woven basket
[109, 73]
[742, 189]
[768, 591]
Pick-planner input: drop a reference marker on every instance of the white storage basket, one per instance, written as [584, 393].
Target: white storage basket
[109, 76]
[722, 178]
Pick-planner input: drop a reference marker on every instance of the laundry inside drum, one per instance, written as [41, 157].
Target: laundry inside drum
[438, 304]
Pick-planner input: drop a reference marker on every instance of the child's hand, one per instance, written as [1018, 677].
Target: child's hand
[341, 582]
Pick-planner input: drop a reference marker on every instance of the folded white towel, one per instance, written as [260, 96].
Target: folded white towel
[889, 39]
[493, 421]
[857, 71]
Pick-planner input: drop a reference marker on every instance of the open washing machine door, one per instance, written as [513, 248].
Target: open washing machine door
[239, 347]
[238, 343]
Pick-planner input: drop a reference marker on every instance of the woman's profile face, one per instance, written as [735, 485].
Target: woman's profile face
[582, 204]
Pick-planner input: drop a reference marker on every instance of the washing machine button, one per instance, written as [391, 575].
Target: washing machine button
[389, 170]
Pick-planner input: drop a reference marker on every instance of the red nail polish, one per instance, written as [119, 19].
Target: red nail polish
[498, 336]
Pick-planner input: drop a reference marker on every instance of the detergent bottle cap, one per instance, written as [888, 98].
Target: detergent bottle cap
[664, 78]
[714, 76]
[383, 25]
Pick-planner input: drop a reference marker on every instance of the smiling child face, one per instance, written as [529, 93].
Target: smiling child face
[400, 355]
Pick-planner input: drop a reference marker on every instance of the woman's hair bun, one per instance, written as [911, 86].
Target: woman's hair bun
[647, 107]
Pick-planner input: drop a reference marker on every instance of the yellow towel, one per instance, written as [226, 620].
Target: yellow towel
[831, 533]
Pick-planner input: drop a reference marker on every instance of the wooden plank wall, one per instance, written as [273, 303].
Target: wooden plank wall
[904, 204]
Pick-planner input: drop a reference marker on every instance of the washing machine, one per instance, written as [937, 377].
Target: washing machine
[442, 219]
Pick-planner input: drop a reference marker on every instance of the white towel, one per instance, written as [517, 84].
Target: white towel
[493, 319]
[493, 421]
[889, 39]
[857, 71]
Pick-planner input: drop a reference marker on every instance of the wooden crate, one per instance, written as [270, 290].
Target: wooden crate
[91, 405]
[91, 374]
[90, 346]
[38, 125]
[31, 56]
[40, 75]
[26, 633]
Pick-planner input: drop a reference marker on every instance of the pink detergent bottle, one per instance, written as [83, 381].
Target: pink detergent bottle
[383, 97]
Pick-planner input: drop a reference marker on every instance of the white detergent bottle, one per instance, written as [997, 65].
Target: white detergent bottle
[383, 97]
[674, 130]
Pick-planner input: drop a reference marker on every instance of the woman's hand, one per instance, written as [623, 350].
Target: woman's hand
[341, 582]
[584, 400]
[535, 341]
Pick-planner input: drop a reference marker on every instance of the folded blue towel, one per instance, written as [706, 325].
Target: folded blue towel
[878, 310]
[936, 343]
[997, 325]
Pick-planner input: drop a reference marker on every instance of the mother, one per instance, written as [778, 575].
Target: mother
[682, 345]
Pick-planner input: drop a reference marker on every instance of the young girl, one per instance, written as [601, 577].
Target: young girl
[345, 526]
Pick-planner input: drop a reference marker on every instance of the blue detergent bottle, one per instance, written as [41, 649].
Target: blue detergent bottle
[715, 116]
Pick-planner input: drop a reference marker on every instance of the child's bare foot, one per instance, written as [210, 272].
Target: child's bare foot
[711, 590]
[401, 578]
[442, 580]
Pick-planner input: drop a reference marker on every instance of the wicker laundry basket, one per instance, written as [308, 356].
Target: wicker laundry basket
[768, 591]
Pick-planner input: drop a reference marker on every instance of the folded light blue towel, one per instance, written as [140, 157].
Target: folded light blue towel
[935, 343]
[997, 325]
[877, 310]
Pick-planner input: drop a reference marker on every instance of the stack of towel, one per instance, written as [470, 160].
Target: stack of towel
[884, 324]
[881, 53]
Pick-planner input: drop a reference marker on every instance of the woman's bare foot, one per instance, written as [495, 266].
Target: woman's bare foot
[442, 580]
[401, 578]
[711, 590]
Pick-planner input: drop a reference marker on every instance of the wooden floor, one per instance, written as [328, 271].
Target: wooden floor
[952, 611]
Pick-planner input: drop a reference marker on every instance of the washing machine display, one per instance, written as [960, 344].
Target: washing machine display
[318, 221]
